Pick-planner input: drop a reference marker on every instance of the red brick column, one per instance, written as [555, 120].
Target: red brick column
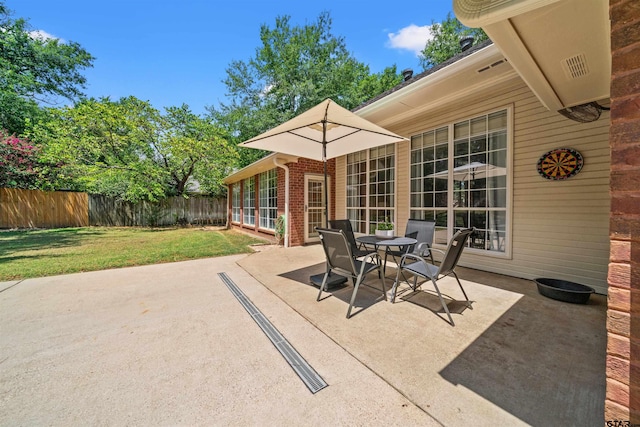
[297, 172]
[623, 316]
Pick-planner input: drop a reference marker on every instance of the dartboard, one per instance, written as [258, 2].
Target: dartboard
[561, 163]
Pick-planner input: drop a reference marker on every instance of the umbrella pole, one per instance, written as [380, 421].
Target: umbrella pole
[324, 162]
[326, 197]
[332, 279]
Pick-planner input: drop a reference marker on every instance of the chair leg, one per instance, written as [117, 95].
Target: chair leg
[462, 289]
[444, 305]
[398, 266]
[403, 276]
[394, 288]
[384, 266]
[379, 262]
[384, 288]
[324, 283]
[353, 295]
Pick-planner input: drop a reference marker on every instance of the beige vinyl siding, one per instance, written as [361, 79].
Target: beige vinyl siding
[403, 185]
[341, 188]
[559, 229]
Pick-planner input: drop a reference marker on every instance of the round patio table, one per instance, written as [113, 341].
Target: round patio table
[386, 242]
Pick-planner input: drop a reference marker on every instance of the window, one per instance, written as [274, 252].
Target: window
[235, 202]
[372, 170]
[429, 179]
[459, 179]
[268, 194]
[249, 205]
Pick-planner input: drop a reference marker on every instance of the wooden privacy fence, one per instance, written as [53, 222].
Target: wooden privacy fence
[42, 209]
[174, 210]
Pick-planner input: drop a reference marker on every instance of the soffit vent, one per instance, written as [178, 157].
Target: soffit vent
[495, 64]
[576, 66]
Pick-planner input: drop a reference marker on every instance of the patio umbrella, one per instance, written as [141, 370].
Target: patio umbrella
[321, 133]
[473, 170]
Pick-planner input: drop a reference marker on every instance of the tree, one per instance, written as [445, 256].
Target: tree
[35, 70]
[294, 69]
[129, 150]
[445, 41]
[102, 147]
[193, 149]
[18, 162]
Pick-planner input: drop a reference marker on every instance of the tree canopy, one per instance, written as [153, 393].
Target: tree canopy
[129, 150]
[35, 70]
[295, 68]
[445, 41]
[191, 149]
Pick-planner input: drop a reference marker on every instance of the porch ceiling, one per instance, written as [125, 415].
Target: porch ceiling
[561, 48]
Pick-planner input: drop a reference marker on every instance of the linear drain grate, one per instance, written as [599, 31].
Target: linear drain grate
[306, 373]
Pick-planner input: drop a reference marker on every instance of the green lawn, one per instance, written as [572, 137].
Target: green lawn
[38, 253]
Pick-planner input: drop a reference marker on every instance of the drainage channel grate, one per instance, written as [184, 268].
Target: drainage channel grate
[306, 373]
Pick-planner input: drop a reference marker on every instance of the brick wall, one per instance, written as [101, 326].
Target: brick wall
[297, 172]
[623, 320]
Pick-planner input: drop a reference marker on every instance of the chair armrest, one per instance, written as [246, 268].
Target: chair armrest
[375, 259]
[437, 250]
[422, 248]
[412, 256]
[372, 255]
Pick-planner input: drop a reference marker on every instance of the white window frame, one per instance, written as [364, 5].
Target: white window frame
[268, 200]
[249, 201]
[235, 203]
[451, 227]
[372, 213]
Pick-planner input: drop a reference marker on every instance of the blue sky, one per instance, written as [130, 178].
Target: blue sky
[174, 52]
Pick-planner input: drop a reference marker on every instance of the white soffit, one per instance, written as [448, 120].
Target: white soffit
[480, 13]
[264, 164]
[477, 71]
[560, 48]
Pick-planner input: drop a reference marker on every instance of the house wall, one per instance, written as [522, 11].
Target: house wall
[559, 228]
[253, 229]
[297, 172]
[623, 346]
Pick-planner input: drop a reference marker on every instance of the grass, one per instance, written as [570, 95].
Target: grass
[39, 253]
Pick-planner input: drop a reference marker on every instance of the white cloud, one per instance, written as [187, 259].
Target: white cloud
[411, 38]
[43, 36]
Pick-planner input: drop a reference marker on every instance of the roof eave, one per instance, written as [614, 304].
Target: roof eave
[264, 164]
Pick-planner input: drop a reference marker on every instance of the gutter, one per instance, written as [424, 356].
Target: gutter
[280, 163]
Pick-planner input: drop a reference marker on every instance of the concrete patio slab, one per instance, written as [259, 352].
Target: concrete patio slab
[7, 285]
[516, 358]
[170, 345]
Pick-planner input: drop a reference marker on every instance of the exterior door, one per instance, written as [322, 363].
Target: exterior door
[313, 206]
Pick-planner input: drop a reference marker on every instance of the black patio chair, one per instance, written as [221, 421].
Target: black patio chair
[421, 230]
[340, 260]
[358, 251]
[417, 266]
